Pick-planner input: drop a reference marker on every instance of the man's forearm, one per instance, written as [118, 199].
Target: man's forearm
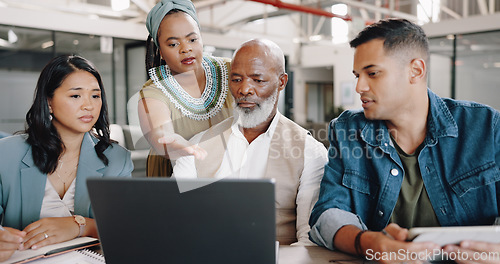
[348, 239]
[329, 223]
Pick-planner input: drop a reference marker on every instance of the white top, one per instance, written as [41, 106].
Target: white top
[54, 206]
[249, 161]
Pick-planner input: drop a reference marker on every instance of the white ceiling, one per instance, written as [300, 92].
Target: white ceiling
[233, 17]
[368, 10]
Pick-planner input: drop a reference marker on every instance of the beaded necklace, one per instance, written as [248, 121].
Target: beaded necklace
[213, 97]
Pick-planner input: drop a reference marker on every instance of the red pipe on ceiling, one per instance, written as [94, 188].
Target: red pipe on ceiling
[301, 8]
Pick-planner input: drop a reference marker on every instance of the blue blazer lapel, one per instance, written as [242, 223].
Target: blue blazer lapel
[89, 165]
[32, 190]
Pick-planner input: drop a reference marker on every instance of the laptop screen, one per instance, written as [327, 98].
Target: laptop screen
[149, 221]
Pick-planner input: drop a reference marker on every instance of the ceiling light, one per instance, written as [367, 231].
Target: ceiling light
[315, 38]
[259, 21]
[340, 31]
[496, 64]
[119, 5]
[339, 9]
[12, 37]
[47, 44]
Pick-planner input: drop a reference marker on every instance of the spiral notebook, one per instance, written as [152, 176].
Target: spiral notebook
[83, 256]
[52, 252]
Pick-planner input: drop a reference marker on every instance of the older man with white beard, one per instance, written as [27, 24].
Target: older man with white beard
[260, 143]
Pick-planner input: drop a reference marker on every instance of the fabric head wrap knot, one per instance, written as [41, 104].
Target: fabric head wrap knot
[158, 12]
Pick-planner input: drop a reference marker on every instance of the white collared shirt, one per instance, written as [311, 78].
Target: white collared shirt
[249, 161]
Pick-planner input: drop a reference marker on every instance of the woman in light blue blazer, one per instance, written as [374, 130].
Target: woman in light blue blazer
[43, 172]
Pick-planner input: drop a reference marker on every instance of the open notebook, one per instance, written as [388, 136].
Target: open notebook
[51, 251]
[83, 256]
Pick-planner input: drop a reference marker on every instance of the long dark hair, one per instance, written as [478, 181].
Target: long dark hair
[153, 57]
[46, 144]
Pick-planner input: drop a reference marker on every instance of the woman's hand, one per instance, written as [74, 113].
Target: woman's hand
[474, 252]
[157, 127]
[10, 240]
[176, 147]
[50, 230]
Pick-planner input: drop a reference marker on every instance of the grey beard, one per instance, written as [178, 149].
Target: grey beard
[251, 118]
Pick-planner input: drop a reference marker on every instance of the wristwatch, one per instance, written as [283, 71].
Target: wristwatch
[80, 220]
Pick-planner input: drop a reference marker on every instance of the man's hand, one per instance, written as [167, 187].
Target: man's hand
[10, 241]
[475, 252]
[392, 247]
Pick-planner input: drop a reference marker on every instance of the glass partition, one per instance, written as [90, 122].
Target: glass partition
[23, 54]
[441, 66]
[478, 68]
[466, 67]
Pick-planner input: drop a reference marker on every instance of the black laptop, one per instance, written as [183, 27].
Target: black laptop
[149, 221]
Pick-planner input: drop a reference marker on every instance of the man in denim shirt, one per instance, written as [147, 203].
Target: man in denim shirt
[409, 159]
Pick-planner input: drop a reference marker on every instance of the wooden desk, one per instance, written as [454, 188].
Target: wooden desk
[305, 255]
[314, 255]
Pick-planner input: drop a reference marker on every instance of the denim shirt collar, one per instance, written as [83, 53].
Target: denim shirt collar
[440, 123]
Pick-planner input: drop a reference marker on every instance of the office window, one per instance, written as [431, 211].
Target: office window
[440, 65]
[478, 68]
[24, 52]
[99, 51]
[22, 57]
[319, 102]
[466, 67]
[130, 76]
